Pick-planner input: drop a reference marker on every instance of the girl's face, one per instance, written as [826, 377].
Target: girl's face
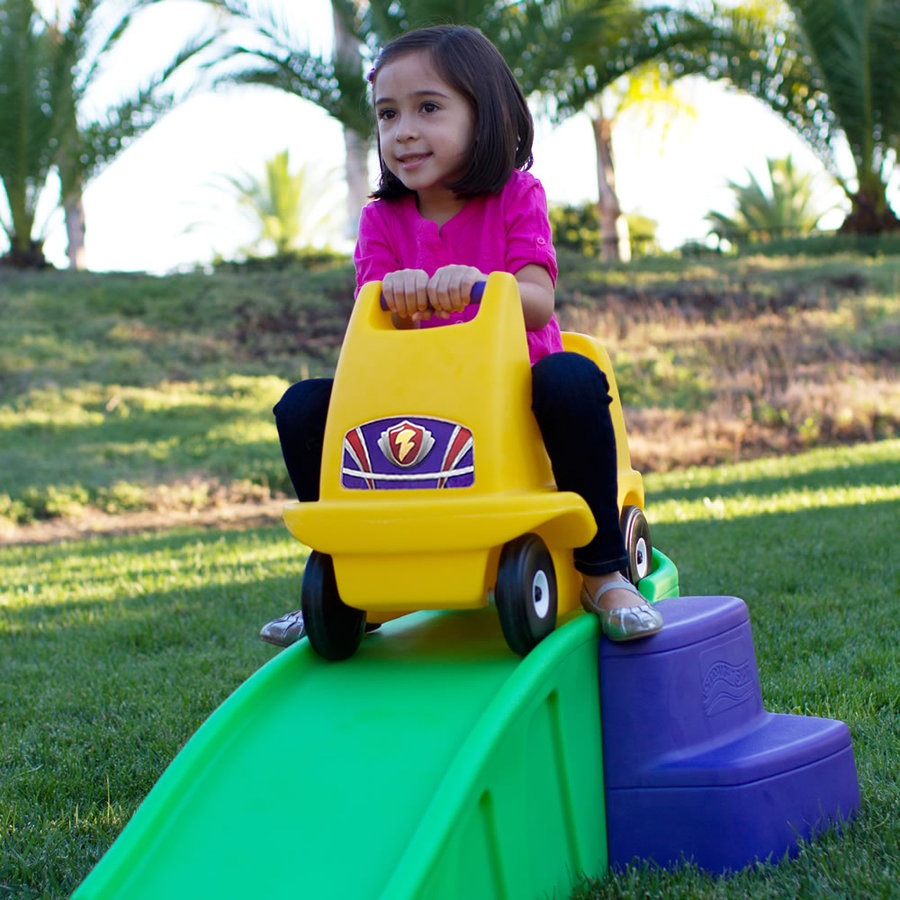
[425, 127]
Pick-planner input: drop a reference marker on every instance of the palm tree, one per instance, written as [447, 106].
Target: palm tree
[276, 58]
[48, 65]
[829, 69]
[290, 209]
[348, 60]
[649, 87]
[273, 56]
[28, 126]
[786, 204]
[615, 55]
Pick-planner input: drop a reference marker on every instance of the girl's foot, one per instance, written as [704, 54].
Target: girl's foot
[285, 630]
[289, 628]
[623, 612]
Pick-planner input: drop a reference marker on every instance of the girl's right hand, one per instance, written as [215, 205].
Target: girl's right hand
[406, 294]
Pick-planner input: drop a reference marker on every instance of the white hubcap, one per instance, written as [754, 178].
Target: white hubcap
[540, 594]
[641, 559]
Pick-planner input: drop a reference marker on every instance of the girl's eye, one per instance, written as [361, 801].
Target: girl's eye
[385, 114]
[429, 107]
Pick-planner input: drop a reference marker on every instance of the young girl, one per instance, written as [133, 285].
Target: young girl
[455, 202]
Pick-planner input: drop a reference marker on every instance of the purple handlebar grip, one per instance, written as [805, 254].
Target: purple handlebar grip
[475, 295]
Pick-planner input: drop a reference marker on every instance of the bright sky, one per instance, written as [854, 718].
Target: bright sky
[156, 207]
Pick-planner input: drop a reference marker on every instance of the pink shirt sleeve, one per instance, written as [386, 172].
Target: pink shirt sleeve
[373, 257]
[529, 240]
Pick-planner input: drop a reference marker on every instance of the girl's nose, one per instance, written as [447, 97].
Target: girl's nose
[406, 129]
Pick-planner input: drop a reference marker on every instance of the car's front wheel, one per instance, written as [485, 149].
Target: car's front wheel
[334, 629]
[526, 593]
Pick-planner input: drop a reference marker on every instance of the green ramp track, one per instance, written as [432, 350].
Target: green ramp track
[433, 764]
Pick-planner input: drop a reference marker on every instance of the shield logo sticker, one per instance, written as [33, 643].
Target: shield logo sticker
[420, 452]
[405, 443]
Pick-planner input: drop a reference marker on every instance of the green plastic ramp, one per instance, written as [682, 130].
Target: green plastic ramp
[433, 764]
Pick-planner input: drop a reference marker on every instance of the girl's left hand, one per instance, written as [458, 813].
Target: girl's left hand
[450, 287]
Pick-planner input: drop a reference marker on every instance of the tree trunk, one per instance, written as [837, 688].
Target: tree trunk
[356, 169]
[866, 218]
[23, 253]
[29, 256]
[356, 147]
[608, 209]
[75, 230]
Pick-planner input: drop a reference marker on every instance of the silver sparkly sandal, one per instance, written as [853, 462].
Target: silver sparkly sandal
[289, 628]
[624, 623]
[285, 630]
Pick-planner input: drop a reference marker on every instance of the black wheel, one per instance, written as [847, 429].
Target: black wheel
[334, 629]
[526, 593]
[636, 533]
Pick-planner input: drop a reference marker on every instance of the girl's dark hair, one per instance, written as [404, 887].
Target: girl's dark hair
[473, 66]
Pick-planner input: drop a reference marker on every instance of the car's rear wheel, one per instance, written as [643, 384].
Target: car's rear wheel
[334, 629]
[526, 593]
[636, 533]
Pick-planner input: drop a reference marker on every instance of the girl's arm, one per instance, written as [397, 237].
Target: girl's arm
[538, 295]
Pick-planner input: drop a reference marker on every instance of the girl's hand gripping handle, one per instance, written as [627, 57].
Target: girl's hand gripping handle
[475, 295]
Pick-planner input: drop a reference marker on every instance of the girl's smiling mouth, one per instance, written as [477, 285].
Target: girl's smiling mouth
[412, 160]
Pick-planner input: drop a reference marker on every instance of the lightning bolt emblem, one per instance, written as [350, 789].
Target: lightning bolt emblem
[403, 441]
[406, 443]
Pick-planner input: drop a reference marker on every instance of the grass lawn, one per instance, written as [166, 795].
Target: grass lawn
[763, 406]
[113, 651]
[126, 393]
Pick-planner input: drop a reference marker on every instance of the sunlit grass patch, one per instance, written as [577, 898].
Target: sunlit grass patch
[846, 477]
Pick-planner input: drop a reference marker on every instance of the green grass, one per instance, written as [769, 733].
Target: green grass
[118, 390]
[125, 393]
[114, 650]
[113, 653]
[113, 385]
[111, 445]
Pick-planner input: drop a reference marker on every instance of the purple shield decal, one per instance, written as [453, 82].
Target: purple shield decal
[408, 452]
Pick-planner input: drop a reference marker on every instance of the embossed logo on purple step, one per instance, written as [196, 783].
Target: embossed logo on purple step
[728, 677]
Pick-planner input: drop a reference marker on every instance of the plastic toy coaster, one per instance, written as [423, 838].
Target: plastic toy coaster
[486, 742]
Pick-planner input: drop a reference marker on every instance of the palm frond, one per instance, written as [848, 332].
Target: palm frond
[786, 203]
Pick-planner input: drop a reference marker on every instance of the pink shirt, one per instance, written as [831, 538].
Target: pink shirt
[501, 232]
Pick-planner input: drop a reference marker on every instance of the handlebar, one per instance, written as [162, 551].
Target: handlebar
[475, 294]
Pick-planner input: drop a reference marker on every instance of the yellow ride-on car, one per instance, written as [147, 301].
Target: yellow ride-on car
[436, 491]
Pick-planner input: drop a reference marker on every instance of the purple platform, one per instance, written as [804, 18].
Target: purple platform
[694, 767]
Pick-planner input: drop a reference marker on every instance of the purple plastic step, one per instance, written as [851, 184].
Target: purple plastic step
[695, 768]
